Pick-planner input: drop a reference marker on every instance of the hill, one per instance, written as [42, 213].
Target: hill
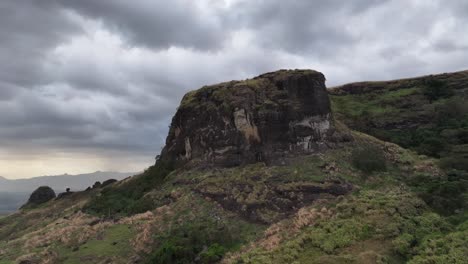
[14, 193]
[256, 171]
[428, 114]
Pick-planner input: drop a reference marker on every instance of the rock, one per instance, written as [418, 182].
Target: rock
[107, 182]
[27, 261]
[41, 195]
[264, 119]
[272, 202]
[97, 185]
[64, 194]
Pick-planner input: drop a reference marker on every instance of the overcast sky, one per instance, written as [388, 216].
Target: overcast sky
[92, 85]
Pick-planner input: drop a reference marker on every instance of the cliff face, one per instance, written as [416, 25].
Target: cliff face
[266, 118]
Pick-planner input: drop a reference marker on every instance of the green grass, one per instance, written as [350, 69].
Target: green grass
[200, 230]
[366, 104]
[12, 251]
[115, 244]
[404, 114]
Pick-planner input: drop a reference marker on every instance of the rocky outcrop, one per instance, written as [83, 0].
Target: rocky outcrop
[267, 119]
[276, 202]
[108, 182]
[41, 195]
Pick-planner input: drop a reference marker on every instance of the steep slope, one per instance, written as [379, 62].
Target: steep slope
[351, 200]
[428, 114]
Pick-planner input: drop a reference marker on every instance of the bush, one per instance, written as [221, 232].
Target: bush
[445, 196]
[368, 159]
[442, 248]
[432, 146]
[404, 243]
[213, 254]
[435, 89]
[458, 162]
[453, 109]
[203, 241]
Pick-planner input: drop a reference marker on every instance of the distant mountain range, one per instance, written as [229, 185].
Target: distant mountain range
[14, 193]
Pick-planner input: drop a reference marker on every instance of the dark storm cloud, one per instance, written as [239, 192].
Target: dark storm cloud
[156, 24]
[27, 29]
[302, 26]
[106, 76]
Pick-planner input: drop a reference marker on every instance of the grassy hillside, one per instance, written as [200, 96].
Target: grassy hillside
[362, 200]
[324, 208]
[427, 114]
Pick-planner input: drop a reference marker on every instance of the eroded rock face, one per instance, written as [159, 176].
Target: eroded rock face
[266, 118]
[274, 201]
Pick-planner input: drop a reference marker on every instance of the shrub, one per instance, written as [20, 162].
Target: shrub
[454, 108]
[213, 254]
[368, 159]
[445, 196]
[435, 89]
[432, 146]
[458, 162]
[404, 243]
[444, 248]
[203, 241]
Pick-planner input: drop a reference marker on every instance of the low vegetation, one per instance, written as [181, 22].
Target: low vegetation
[389, 225]
[368, 159]
[128, 198]
[427, 114]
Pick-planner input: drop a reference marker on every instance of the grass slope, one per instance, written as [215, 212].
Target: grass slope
[303, 212]
[428, 114]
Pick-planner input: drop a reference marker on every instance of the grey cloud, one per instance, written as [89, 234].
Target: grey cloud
[448, 46]
[156, 24]
[106, 76]
[317, 27]
[28, 29]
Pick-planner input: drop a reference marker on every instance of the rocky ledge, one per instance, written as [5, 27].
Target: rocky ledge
[264, 119]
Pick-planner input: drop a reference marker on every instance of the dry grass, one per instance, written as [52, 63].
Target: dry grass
[280, 232]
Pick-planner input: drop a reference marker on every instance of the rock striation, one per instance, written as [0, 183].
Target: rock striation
[264, 119]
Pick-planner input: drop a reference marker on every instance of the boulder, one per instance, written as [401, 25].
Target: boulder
[41, 195]
[108, 182]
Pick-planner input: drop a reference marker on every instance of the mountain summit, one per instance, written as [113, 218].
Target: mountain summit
[264, 119]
